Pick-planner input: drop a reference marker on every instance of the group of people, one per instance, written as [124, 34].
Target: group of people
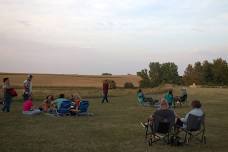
[9, 92]
[169, 97]
[168, 112]
[49, 105]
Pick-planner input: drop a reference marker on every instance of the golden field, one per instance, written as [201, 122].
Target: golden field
[60, 80]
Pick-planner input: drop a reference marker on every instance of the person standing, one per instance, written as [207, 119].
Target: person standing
[169, 98]
[27, 87]
[7, 98]
[105, 91]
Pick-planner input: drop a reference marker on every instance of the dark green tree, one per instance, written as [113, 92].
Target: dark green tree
[155, 73]
[220, 71]
[207, 74]
[169, 73]
[158, 73]
[188, 73]
[145, 82]
[197, 74]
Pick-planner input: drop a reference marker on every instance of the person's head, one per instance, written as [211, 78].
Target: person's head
[196, 104]
[50, 97]
[170, 91]
[140, 90]
[61, 95]
[5, 80]
[29, 77]
[164, 105]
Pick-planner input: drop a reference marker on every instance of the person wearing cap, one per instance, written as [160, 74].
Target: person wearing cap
[7, 98]
[27, 87]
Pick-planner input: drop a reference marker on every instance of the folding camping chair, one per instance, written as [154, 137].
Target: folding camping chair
[64, 108]
[195, 128]
[180, 100]
[161, 127]
[83, 108]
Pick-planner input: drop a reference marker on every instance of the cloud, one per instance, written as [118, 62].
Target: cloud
[129, 32]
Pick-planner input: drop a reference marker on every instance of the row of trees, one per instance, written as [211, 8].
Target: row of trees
[159, 73]
[207, 73]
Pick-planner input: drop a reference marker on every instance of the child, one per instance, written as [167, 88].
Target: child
[29, 109]
[46, 105]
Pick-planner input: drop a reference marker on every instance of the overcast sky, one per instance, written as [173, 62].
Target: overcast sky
[116, 36]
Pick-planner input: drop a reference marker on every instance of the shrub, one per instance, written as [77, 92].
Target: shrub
[109, 74]
[128, 85]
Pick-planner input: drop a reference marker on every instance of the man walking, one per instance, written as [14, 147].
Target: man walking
[105, 91]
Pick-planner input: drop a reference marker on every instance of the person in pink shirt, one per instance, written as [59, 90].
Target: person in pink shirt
[28, 108]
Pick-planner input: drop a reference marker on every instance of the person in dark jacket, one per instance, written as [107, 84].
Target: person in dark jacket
[105, 91]
[7, 98]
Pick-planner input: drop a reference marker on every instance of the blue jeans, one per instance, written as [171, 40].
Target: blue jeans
[105, 97]
[7, 103]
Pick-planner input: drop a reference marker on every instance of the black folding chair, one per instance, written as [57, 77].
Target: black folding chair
[195, 129]
[161, 127]
[181, 100]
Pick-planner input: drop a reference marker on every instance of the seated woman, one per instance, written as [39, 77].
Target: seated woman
[29, 109]
[143, 100]
[46, 105]
[76, 103]
[183, 96]
[196, 111]
[57, 102]
[163, 111]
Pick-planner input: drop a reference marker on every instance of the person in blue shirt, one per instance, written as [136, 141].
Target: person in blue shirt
[169, 97]
[140, 96]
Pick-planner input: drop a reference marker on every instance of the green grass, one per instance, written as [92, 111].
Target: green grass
[115, 127]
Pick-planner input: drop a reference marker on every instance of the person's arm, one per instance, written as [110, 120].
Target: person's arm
[30, 88]
[184, 120]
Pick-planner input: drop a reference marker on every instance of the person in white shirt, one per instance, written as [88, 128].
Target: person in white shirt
[196, 111]
[28, 87]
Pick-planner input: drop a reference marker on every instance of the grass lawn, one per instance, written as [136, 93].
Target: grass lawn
[115, 127]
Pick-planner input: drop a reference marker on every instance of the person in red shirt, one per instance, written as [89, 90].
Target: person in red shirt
[29, 109]
[105, 91]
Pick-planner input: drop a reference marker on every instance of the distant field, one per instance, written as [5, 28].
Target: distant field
[53, 80]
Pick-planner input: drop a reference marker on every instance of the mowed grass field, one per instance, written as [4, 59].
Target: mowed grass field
[115, 127]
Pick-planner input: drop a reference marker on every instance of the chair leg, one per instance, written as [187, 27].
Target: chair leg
[203, 138]
[185, 138]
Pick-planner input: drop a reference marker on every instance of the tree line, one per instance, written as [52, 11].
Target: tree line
[205, 73]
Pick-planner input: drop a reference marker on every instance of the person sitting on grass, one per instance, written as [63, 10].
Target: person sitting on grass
[196, 111]
[46, 105]
[145, 100]
[75, 104]
[29, 109]
[57, 102]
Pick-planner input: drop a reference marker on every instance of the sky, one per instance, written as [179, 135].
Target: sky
[114, 36]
